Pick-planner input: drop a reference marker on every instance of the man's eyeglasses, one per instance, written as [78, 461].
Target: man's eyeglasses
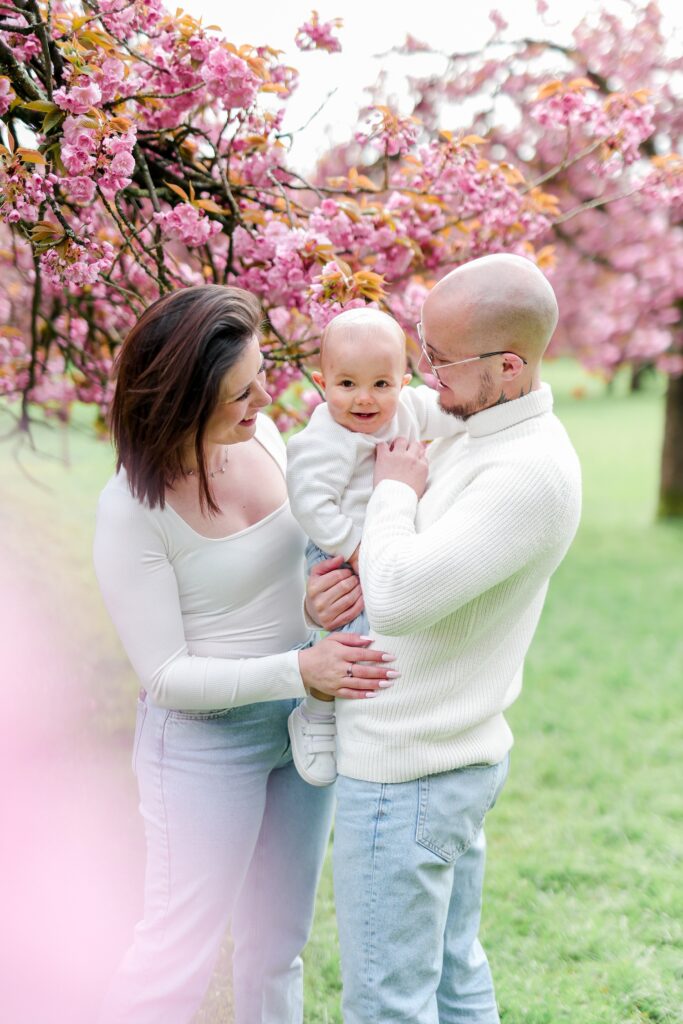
[458, 362]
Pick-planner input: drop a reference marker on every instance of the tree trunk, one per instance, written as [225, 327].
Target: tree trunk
[671, 487]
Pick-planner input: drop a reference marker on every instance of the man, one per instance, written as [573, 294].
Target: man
[454, 576]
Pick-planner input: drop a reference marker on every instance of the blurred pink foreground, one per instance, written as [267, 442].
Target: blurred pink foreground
[72, 846]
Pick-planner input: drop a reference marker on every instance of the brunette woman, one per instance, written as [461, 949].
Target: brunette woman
[201, 566]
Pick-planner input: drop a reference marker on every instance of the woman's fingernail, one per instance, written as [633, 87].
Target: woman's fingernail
[384, 684]
[388, 657]
[371, 693]
[366, 638]
[392, 674]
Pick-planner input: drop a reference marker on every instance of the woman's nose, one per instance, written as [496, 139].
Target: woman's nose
[262, 396]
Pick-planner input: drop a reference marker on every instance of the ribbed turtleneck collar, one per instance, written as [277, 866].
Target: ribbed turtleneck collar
[509, 414]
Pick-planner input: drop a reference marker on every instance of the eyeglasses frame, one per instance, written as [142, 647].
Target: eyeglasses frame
[457, 362]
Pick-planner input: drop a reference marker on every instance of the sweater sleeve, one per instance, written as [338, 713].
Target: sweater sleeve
[501, 522]
[431, 420]
[139, 588]
[320, 462]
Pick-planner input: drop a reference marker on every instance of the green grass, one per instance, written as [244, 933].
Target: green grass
[583, 916]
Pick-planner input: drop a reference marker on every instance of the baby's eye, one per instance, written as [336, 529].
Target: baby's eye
[346, 383]
[382, 384]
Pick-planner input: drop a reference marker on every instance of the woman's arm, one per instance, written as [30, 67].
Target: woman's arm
[140, 591]
[139, 588]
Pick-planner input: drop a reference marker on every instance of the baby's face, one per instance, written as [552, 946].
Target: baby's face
[362, 376]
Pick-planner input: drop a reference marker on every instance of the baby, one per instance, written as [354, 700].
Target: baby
[330, 466]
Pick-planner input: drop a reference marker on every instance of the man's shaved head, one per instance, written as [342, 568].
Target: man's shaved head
[496, 302]
[500, 307]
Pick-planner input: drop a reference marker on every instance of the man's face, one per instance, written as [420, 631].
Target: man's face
[465, 389]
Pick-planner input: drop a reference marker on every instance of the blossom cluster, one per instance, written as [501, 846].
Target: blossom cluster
[160, 161]
[315, 34]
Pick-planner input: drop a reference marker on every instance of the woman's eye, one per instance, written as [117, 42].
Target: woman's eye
[244, 395]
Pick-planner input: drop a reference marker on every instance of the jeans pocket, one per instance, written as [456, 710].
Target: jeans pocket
[140, 716]
[452, 807]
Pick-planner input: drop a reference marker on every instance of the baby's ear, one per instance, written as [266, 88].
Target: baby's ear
[407, 377]
[318, 378]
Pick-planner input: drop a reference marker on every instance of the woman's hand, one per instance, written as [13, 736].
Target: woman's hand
[405, 461]
[333, 594]
[342, 665]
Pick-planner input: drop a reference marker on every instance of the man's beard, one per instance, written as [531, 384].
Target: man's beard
[485, 398]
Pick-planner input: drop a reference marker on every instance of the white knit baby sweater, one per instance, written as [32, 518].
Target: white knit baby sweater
[330, 468]
[454, 587]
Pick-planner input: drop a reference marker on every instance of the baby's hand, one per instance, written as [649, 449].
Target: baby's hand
[353, 560]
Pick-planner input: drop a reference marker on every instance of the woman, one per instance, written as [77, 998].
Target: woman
[201, 567]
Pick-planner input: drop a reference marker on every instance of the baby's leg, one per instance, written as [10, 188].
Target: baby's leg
[312, 729]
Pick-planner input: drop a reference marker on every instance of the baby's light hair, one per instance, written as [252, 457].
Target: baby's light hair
[361, 316]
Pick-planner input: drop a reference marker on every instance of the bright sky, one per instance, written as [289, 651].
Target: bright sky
[372, 27]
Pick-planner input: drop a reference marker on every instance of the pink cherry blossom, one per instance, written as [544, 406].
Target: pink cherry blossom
[318, 35]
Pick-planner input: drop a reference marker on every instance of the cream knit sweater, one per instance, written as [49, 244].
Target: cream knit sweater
[454, 586]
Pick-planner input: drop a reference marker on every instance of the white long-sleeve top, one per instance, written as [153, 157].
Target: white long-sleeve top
[454, 585]
[330, 469]
[204, 621]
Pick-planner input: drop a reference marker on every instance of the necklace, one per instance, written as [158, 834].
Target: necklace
[221, 468]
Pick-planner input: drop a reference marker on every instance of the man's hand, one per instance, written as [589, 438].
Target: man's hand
[333, 594]
[405, 461]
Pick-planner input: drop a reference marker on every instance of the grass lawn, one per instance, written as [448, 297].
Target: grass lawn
[583, 916]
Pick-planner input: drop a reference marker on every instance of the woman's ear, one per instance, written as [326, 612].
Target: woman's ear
[317, 378]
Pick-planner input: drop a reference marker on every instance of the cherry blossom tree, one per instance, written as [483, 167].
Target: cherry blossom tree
[588, 116]
[144, 152]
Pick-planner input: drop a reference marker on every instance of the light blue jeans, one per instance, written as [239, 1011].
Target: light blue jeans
[315, 555]
[232, 832]
[408, 874]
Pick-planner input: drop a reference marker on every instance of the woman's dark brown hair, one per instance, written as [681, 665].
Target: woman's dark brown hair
[168, 377]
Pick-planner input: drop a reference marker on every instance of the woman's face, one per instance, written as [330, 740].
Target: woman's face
[242, 394]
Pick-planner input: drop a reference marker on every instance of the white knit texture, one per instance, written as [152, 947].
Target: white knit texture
[330, 468]
[454, 586]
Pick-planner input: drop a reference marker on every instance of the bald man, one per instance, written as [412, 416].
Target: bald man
[454, 575]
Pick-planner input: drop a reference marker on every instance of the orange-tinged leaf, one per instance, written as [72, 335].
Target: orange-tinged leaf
[578, 84]
[472, 140]
[545, 257]
[178, 191]
[549, 89]
[253, 216]
[273, 87]
[512, 175]
[210, 206]
[361, 181]
[30, 156]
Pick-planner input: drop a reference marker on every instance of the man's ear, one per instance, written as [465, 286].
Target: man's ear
[512, 365]
[317, 378]
[407, 377]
